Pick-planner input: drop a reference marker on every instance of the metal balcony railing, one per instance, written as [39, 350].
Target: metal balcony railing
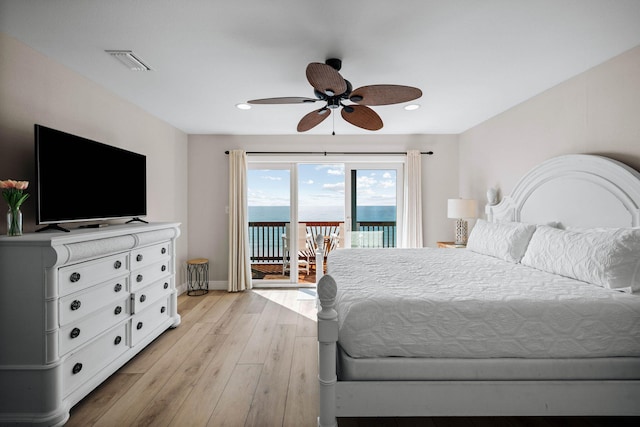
[265, 240]
[374, 234]
[267, 246]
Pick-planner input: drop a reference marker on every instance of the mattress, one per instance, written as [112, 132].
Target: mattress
[454, 303]
[491, 369]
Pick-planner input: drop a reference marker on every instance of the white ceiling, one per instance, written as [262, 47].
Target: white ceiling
[472, 59]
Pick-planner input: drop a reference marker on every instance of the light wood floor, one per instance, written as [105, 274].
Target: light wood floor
[245, 359]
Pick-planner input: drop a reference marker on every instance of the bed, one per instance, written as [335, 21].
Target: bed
[540, 315]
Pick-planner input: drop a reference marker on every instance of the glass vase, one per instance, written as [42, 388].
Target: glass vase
[14, 222]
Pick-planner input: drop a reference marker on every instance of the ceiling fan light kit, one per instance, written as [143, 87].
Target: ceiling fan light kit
[330, 87]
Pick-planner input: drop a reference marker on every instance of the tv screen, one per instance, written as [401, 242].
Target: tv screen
[79, 179]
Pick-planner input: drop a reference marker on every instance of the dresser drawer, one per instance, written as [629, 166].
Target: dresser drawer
[145, 322]
[76, 277]
[145, 256]
[77, 305]
[147, 296]
[143, 277]
[80, 366]
[83, 330]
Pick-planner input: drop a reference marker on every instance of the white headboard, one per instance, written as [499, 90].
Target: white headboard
[579, 190]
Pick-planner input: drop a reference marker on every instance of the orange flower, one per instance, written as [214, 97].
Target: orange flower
[12, 191]
[9, 183]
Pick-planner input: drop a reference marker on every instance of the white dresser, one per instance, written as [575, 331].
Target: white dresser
[75, 307]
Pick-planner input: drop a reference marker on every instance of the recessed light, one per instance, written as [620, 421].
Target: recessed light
[243, 106]
[411, 107]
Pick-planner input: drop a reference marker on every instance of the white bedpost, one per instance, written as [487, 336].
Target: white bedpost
[327, 339]
[319, 257]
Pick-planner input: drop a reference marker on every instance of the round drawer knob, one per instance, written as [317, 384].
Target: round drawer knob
[163, 309]
[117, 287]
[74, 277]
[118, 310]
[118, 340]
[77, 368]
[163, 251]
[117, 265]
[139, 326]
[139, 257]
[75, 333]
[166, 285]
[143, 298]
[75, 305]
[163, 268]
[139, 278]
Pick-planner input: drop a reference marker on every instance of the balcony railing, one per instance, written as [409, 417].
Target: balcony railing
[267, 245]
[265, 239]
[374, 235]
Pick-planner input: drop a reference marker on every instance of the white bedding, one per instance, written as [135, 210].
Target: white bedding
[442, 303]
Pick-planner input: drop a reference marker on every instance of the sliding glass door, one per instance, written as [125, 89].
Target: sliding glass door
[296, 206]
[270, 217]
[321, 188]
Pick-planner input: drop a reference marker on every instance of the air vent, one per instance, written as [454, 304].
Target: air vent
[129, 59]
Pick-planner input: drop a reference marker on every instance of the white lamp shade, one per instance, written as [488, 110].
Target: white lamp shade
[462, 208]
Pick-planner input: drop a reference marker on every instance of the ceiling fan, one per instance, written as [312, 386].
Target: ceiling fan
[330, 87]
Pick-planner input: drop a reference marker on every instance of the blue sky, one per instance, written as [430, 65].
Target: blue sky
[320, 185]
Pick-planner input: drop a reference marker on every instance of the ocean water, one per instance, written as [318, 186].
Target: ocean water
[319, 214]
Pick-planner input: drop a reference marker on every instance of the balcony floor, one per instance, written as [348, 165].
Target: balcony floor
[274, 272]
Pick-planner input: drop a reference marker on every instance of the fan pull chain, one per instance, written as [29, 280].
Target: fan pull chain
[333, 118]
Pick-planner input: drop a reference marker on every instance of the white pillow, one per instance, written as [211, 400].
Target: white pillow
[504, 240]
[597, 229]
[604, 257]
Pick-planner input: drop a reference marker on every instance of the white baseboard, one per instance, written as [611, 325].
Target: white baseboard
[214, 285]
[218, 285]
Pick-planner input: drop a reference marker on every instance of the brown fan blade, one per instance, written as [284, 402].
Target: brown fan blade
[325, 79]
[361, 116]
[313, 119]
[283, 100]
[384, 94]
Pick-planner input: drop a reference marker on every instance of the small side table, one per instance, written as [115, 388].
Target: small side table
[450, 245]
[197, 276]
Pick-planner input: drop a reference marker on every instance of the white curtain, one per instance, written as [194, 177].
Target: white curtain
[412, 228]
[239, 262]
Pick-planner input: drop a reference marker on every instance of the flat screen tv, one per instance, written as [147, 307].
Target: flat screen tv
[83, 180]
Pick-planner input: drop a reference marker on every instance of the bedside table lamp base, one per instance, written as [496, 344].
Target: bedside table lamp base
[462, 227]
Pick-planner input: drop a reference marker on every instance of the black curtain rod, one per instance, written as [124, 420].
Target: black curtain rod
[325, 153]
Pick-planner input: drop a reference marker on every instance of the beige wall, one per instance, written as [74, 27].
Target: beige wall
[35, 89]
[596, 112]
[208, 181]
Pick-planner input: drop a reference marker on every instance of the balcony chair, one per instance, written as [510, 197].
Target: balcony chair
[303, 260]
[331, 242]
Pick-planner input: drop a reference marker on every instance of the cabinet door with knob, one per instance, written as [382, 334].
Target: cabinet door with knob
[80, 304]
[146, 321]
[83, 364]
[150, 268]
[79, 276]
[148, 255]
[78, 332]
[148, 295]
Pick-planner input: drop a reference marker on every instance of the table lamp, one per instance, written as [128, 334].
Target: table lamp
[459, 209]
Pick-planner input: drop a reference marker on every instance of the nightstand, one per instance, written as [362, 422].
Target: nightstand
[450, 245]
